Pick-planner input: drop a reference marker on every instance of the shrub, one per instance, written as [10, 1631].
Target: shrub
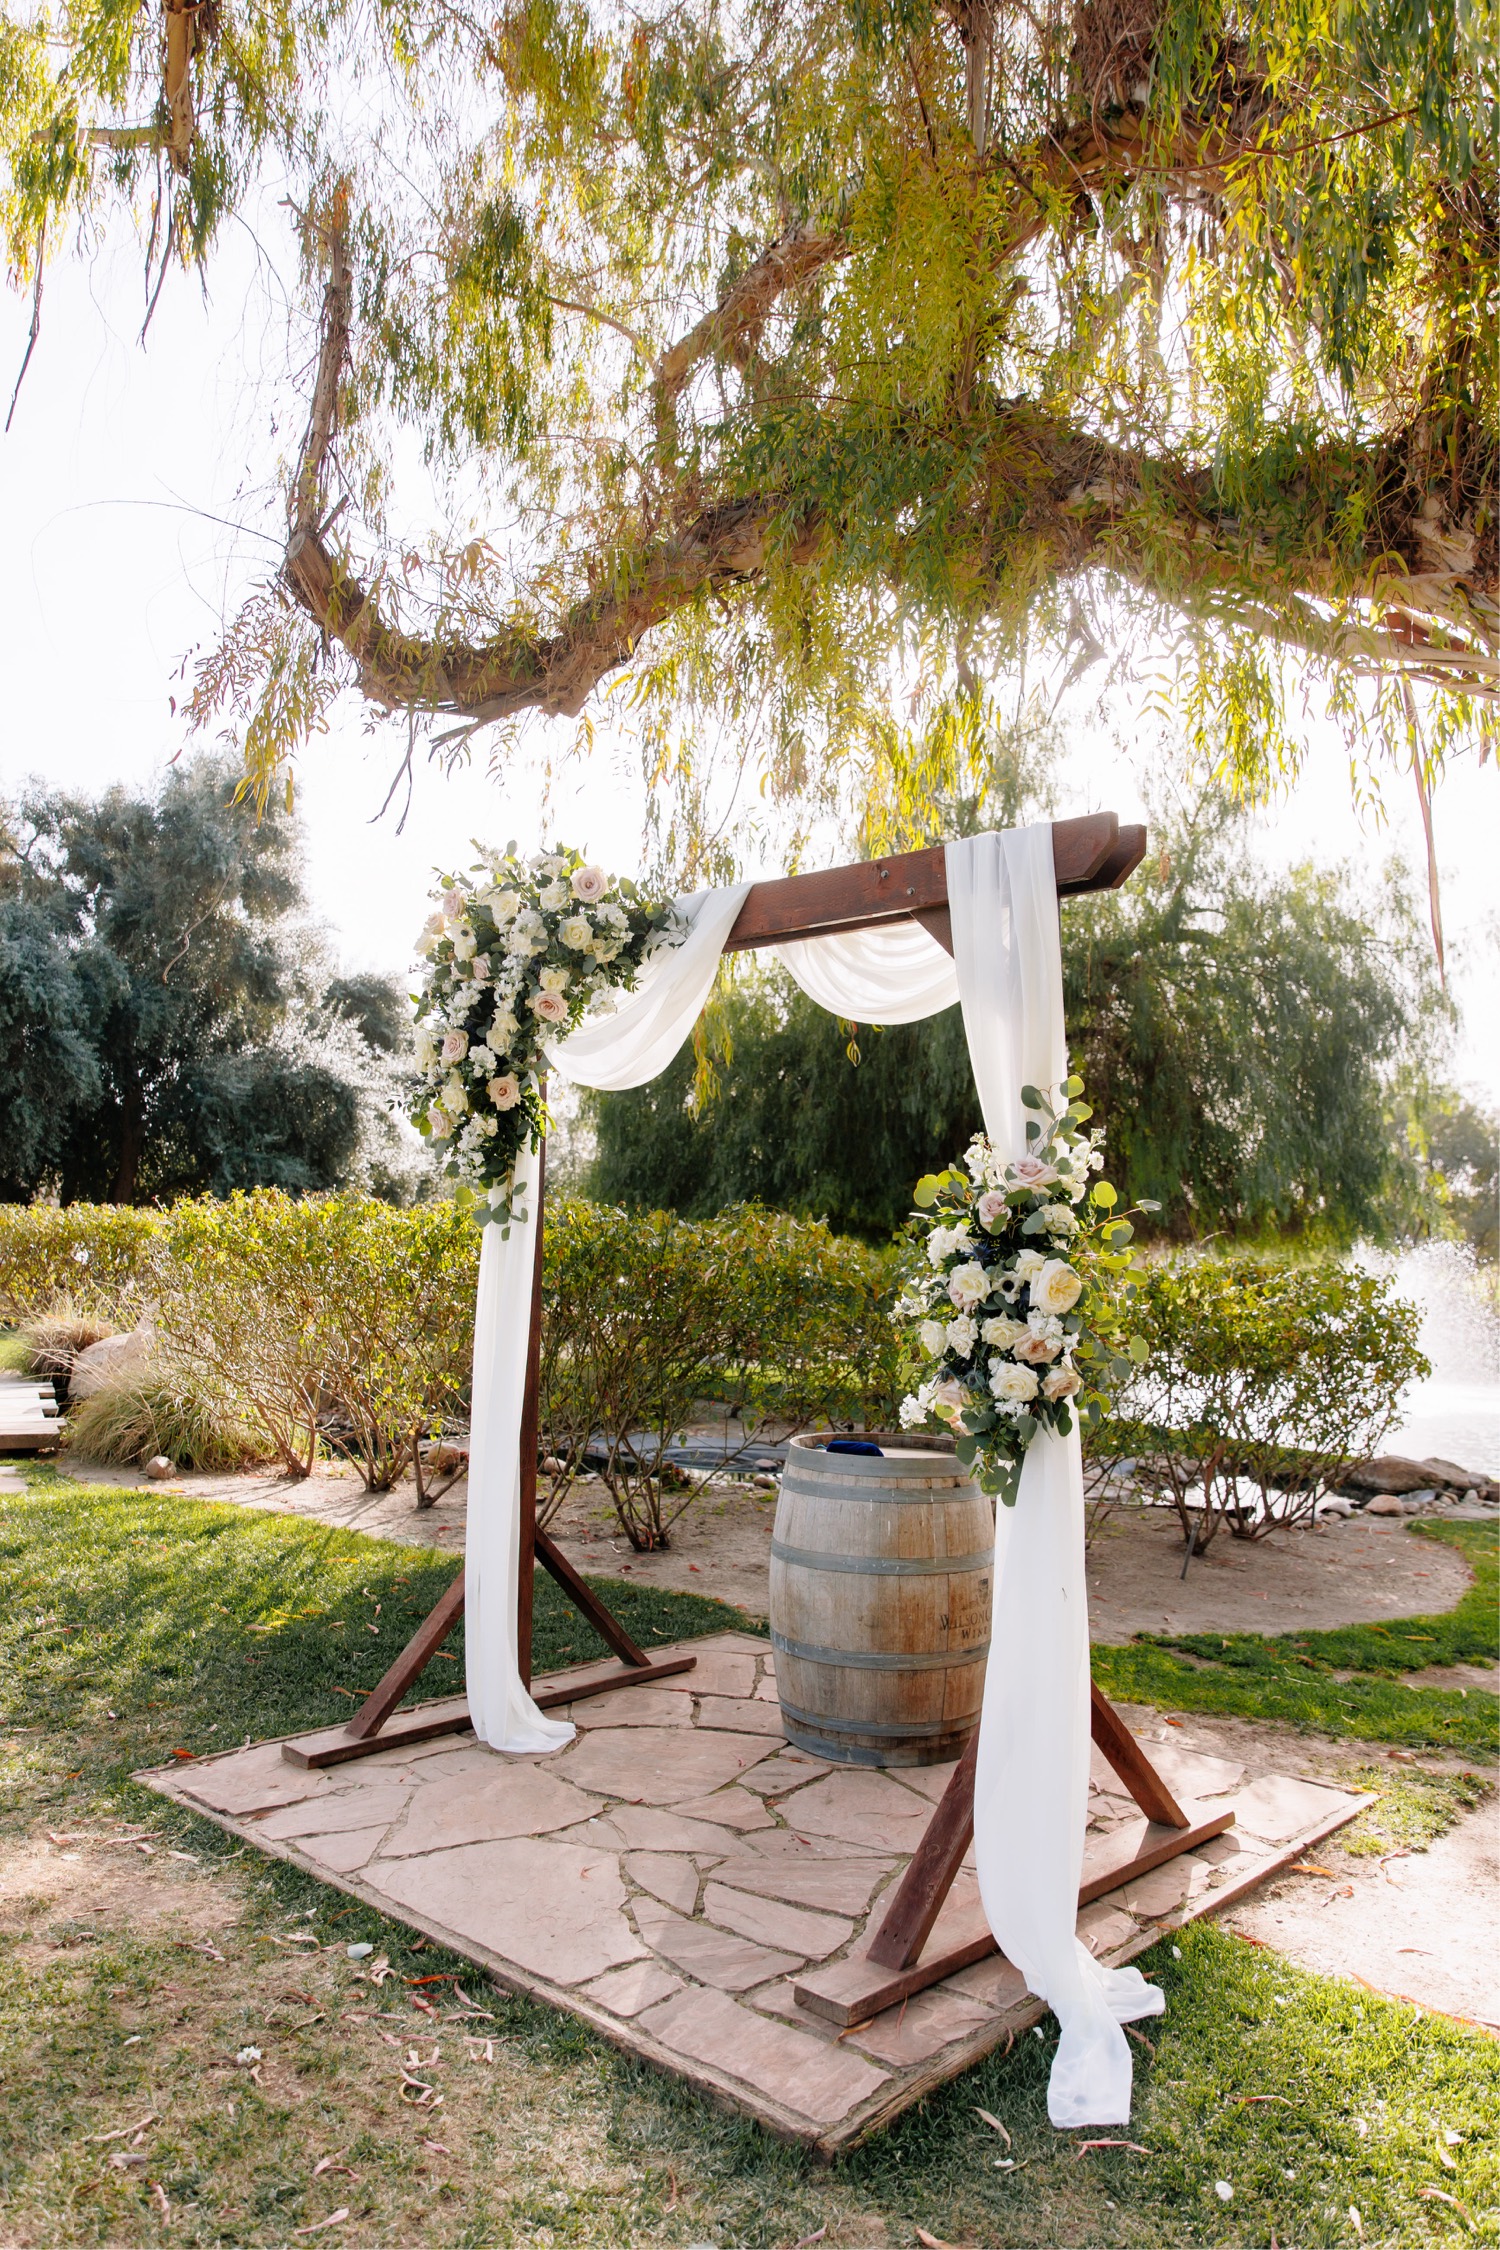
[1266, 1378]
[338, 1318]
[91, 1254]
[130, 1422]
[643, 1313]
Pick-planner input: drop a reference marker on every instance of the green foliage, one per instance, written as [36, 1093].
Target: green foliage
[1266, 1377]
[333, 1318]
[643, 1313]
[816, 340]
[1296, 1679]
[162, 1019]
[96, 1253]
[132, 1420]
[1240, 1033]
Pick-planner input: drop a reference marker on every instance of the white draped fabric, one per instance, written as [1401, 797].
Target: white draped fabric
[1032, 1789]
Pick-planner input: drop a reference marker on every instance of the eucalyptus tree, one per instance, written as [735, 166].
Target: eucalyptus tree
[763, 353]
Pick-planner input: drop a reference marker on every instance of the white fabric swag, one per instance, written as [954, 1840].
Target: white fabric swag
[1031, 1793]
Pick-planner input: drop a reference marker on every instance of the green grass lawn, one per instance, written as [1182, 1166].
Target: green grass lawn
[133, 1624]
[1295, 1678]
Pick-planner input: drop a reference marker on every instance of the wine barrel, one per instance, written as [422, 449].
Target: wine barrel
[880, 1601]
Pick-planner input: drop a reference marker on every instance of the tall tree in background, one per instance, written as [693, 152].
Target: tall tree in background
[764, 352]
[167, 1023]
[1240, 1035]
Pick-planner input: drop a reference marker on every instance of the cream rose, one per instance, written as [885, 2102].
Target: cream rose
[589, 884]
[968, 1285]
[576, 932]
[505, 1092]
[1057, 1288]
[1062, 1383]
[554, 980]
[1012, 1384]
[1001, 1332]
[933, 1335]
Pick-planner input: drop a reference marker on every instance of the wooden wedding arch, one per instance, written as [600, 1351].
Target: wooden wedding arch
[1095, 853]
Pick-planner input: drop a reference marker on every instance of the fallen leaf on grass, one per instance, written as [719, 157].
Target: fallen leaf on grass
[995, 2124]
[1312, 1867]
[1134, 2146]
[436, 2147]
[334, 2219]
[332, 2164]
[161, 2199]
[1140, 2039]
[1246, 1939]
[1356, 2221]
[123, 2132]
[936, 2242]
[122, 2159]
[420, 2088]
[803, 2240]
[60, 1840]
[1441, 2195]
[1248, 2101]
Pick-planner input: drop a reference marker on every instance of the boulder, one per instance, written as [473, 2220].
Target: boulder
[1385, 1504]
[106, 1362]
[158, 1468]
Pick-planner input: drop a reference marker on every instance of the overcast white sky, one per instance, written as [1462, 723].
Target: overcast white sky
[129, 530]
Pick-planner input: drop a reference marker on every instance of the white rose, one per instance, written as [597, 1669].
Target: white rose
[554, 895]
[1015, 1385]
[455, 1046]
[589, 884]
[968, 1285]
[553, 980]
[1062, 1383]
[504, 905]
[455, 1099]
[505, 1092]
[1002, 1331]
[1028, 1265]
[932, 1334]
[503, 1030]
[576, 932]
[1057, 1288]
[432, 930]
[961, 1334]
[427, 1050]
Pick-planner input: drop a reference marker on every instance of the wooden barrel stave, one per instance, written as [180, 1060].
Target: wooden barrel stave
[880, 1602]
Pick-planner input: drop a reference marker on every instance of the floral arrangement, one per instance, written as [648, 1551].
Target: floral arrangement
[1020, 1305]
[515, 956]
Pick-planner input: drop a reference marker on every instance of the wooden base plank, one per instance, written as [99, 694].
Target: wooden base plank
[851, 1991]
[336, 1746]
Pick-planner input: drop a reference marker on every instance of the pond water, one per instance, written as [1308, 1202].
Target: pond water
[1456, 1413]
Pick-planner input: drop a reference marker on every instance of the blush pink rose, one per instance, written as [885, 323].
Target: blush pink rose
[1032, 1172]
[589, 884]
[455, 1046]
[991, 1208]
[1062, 1383]
[505, 1091]
[551, 1007]
[1036, 1351]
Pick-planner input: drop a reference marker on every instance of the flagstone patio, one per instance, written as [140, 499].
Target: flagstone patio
[678, 1869]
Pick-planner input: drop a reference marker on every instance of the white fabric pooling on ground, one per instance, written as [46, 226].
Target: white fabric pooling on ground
[1034, 1734]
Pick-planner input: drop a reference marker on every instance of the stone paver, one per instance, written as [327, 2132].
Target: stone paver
[1103, 1927]
[734, 1807]
[648, 1828]
[1276, 1807]
[668, 1876]
[252, 1781]
[789, 1769]
[657, 1765]
[861, 1806]
[476, 1809]
[547, 1906]
[770, 1921]
[722, 1671]
[838, 1886]
[640, 1984]
[803, 2075]
[748, 1715]
[1193, 1773]
[325, 1816]
[730, 1963]
[1151, 1896]
[343, 1851]
[633, 1707]
[920, 2028]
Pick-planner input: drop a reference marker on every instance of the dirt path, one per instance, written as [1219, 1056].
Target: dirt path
[1342, 1573]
